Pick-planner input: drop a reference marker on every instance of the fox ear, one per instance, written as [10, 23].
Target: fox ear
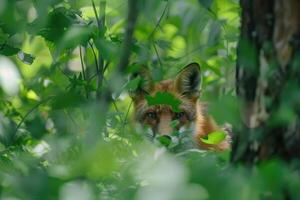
[188, 80]
[145, 84]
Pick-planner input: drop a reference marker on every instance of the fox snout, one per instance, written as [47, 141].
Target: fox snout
[164, 125]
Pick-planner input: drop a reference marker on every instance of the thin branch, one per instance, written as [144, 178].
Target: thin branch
[131, 21]
[126, 116]
[71, 118]
[92, 77]
[113, 101]
[100, 57]
[30, 111]
[106, 94]
[83, 72]
[159, 20]
[124, 121]
[191, 52]
[96, 13]
[62, 71]
[98, 71]
[82, 64]
[101, 27]
[95, 57]
[158, 57]
[106, 66]
[102, 13]
[127, 113]
[115, 106]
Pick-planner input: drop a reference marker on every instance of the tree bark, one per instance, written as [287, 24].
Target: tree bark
[268, 81]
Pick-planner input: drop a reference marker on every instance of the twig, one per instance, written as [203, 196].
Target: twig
[114, 101]
[96, 13]
[126, 116]
[158, 57]
[159, 20]
[100, 57]
[115, 106]
[95, 57]
[191, 52]
[82, 64]
[101, 25]
[71, 117]
[102, 13]
[30, 111]
[92, 77]
[83, 72]
[106, 98]
[62, 71]
[106, 66]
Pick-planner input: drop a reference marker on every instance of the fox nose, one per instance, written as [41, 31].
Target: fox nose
[164, 127]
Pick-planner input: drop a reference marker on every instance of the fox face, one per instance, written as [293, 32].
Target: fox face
[190, 113]
[159, 117]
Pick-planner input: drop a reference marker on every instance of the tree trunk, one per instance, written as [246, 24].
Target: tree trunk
[268, 81]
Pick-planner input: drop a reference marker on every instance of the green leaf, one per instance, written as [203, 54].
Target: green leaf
[164, 98]
[67, 100]
[133, 84]
[108, 49]
[164, 44]
[165, 140]
[3, 36]
[75, 36]
[8, 50]
[214, 137]
[133, 68]
[36, 127]
[58, 22]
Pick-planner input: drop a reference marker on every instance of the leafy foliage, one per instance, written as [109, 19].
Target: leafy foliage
[60, 139]
[214, 137]
[164, 98]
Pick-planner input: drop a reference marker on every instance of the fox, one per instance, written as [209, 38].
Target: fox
[191, 113]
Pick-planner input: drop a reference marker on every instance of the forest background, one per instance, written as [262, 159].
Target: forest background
[66, 128]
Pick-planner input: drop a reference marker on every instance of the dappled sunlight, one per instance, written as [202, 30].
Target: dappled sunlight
[149, 99]
[9, 77]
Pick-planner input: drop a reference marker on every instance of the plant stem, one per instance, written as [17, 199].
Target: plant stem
[83, 72]
[159, 20]
[30, 111]
[101, 26]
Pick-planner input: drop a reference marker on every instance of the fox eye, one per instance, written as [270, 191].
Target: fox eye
[179, 115]
[151, 115]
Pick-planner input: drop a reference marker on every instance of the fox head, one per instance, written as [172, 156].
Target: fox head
[184, 87]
